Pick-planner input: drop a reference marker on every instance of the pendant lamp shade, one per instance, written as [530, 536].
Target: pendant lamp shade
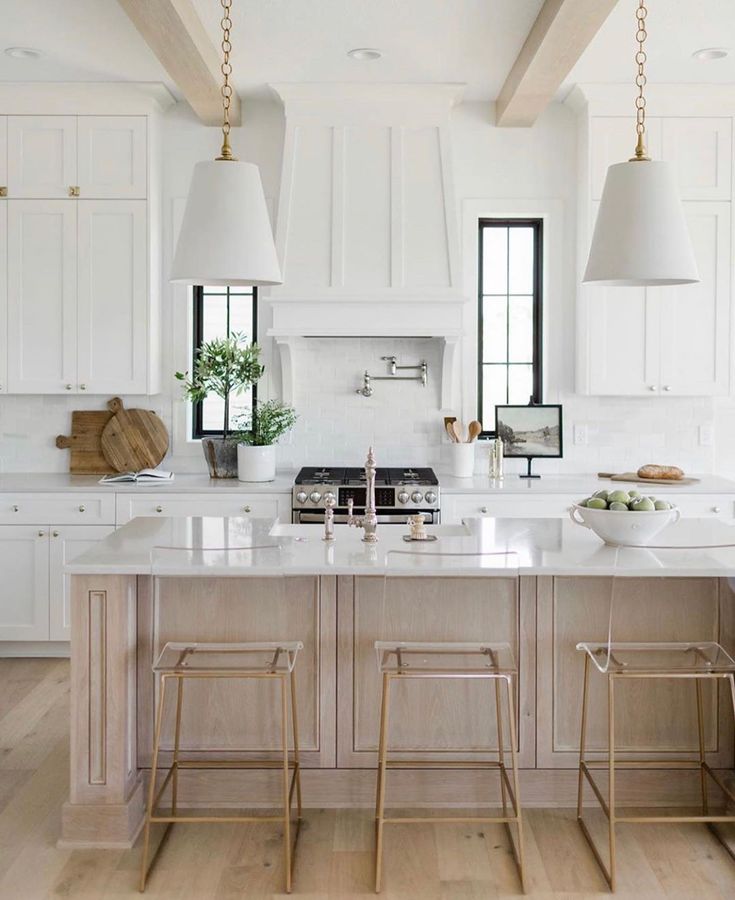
[641, 235]
[226, 236]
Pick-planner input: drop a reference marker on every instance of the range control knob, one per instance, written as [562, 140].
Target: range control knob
[430, 497]
[301, 497]
[402, 497]
[328, 495]
[315, 496]
[417, 496]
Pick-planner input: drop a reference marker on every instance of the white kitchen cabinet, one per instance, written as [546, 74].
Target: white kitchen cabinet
[112, 157]
[42, 287]
[3, 296]
[3, 156]
[257, 505]
[456, 507]
[700, 150]
[62, 508]
[112, 303]
[66, 543]
[42, 156]
[24, 587]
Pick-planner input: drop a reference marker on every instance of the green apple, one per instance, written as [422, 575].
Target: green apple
[618, 507]
[619, 497]
[603, 494]
[633, 494]
[661, 504]
[596, 503]
[643, 505]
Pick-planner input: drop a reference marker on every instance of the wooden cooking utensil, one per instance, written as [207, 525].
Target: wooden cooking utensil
[133, 439]
[474, 430]
[449, 425]
[86, 456]
[454, 431]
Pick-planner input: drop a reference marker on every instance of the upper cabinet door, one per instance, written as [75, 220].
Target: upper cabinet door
[42, 156]
[3, 296]
[3, 156]
[695, 318]
[112, 157]
[42, 288]
[112, 307]
[701, 151]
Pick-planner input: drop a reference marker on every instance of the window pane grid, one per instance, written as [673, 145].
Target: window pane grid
[218, 311]
[509, 320]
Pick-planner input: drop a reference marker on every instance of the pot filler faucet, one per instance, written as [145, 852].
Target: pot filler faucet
[368, 522]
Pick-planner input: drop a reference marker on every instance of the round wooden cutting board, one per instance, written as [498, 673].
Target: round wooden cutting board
[133, 439]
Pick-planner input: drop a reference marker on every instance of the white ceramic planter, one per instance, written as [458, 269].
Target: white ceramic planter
[256, 463]
[462, 459]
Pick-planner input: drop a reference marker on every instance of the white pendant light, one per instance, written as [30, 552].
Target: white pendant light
[226, 236]
[641, 236]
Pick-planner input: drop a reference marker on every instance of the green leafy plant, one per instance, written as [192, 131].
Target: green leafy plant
[265, 423]
[224, 367]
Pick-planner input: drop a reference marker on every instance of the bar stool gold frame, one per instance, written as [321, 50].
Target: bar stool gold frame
[288, 687]
[489, 651]
[609, 806]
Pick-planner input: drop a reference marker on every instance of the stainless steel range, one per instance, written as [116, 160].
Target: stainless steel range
[399, 493]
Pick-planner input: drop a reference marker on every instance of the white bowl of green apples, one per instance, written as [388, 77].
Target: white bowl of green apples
[624, 518]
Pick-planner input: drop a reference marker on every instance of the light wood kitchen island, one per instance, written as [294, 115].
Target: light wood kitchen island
[129, 599]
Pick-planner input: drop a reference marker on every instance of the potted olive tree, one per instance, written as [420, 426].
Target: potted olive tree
[224, 367]
[259, 429]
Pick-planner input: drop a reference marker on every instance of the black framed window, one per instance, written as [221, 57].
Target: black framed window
[509, 338]
[218, 311]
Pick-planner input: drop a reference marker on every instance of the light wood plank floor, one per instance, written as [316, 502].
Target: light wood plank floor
[335, 849]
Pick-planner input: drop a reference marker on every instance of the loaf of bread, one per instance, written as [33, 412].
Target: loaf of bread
[670, 473]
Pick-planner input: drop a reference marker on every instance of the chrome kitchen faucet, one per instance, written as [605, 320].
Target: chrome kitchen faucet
[369, 521]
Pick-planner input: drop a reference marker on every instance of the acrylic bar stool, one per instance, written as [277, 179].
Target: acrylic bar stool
[699, 661]
[399, 661]
[265, 660]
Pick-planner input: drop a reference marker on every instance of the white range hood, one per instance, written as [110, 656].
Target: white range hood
[367, 224]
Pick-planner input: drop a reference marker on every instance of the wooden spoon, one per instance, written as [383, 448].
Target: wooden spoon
[450, 425]
[474, 429]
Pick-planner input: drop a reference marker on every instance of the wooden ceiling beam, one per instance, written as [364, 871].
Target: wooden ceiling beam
[175, 33]
[562, 31]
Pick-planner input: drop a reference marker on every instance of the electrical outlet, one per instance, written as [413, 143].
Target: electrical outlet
[580, 434]
[706, 435]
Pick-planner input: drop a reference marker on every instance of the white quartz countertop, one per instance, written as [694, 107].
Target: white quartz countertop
[225, 547]
[574, 485]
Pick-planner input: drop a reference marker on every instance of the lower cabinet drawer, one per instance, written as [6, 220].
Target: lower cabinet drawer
[258, 505]
[465, 506]
[61, 508]
[703, 506]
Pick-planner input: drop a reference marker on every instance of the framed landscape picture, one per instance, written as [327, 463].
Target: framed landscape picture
[530, 431]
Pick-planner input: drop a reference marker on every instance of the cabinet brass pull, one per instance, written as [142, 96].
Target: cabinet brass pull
[68, 387]
[55, 533]
[73, 190]
[159, 509]
[715, 509]
[82, 508]
[667, 387]
[483, 509]
[246, 509]
[82, 387]
[16, 508]
[3, 191]
[41, 533]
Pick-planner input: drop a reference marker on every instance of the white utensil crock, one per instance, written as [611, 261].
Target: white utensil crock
[462, 460]
[256, 463]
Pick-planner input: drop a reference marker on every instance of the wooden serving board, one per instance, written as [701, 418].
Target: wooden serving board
[133, 439]
[84, 442]
[632, 476]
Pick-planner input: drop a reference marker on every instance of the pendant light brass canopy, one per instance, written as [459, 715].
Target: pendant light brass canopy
[641, 236]
[226, 236]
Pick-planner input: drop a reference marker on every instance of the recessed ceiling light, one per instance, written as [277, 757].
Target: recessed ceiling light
[23, 52]
[364, 53]
[711, 53]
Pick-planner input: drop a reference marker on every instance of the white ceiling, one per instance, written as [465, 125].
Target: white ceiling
[471, 41]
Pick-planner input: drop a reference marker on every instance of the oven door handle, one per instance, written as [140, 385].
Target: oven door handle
[305, 518]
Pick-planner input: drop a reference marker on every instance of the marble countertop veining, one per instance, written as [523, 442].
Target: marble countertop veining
[196, 547]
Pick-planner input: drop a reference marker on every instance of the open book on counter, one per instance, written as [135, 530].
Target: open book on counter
[144, 475]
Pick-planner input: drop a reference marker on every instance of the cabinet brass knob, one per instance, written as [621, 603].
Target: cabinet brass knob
[73, 190]
[68, 387]
[82, 387]
[667, 387]
[246, 509]
[483, 509]
[16, 508]
[3, 191]
[55, 533]
[159, 509]
[82, 508]
[651, 387]
[715, 509]
[41, 533]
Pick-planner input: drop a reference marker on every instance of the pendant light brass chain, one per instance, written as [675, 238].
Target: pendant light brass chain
[226, 69]
[640, 80]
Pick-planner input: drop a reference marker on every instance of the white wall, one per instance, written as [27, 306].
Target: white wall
[536, 166]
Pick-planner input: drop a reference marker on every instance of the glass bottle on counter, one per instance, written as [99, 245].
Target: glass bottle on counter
[496, 459]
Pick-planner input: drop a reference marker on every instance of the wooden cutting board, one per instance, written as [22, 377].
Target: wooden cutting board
[86, 456]
[133, 439]
[632, 476]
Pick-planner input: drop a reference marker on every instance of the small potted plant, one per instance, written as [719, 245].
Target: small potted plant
[259, 429]
[225, 367]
